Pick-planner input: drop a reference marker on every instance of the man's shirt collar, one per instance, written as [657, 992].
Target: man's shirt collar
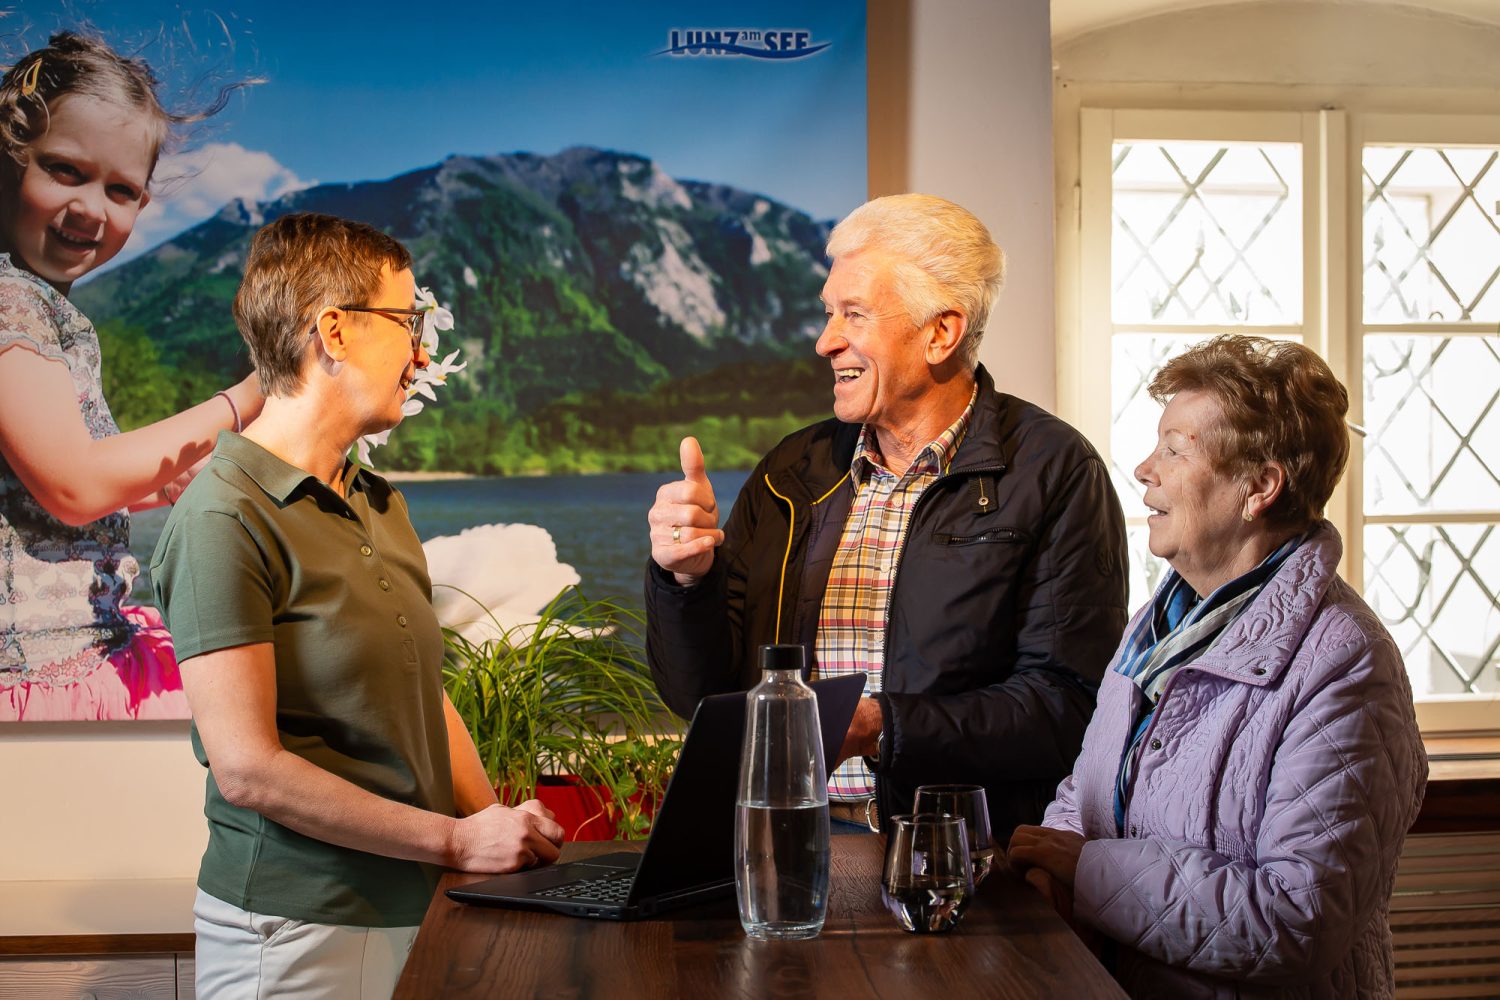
[932, 460]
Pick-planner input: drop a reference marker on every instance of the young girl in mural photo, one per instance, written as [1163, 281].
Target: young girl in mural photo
[81, 129]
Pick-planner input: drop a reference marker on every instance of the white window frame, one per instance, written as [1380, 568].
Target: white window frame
[1332, 142]
[1434, 712]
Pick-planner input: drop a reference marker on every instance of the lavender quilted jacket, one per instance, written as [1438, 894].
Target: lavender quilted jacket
[1271, 800]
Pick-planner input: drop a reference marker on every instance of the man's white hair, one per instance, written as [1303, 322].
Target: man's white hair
[944, 258]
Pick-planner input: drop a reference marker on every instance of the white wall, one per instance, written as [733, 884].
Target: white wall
[1298, 43]
[961, 107]
[100, 800]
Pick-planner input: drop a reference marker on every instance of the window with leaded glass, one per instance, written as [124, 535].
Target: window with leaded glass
[1431, 399]
[1205, 237]
[1374, 239]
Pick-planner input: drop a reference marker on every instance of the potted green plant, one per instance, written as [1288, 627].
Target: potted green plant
[565, 710]
[642, 767]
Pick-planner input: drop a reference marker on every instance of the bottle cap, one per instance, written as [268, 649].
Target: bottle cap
[783, 657]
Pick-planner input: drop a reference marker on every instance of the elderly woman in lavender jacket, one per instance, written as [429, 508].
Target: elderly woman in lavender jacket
[1233, 823]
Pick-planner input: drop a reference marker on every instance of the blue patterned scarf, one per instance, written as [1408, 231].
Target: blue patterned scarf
[1179, 629]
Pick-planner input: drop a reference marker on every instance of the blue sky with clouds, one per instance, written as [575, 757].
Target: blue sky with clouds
[368, 90]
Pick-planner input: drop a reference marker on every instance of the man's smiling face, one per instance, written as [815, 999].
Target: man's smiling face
[881, 376]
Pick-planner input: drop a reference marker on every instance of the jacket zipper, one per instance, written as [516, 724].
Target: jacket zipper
[896, 572]
[791, 533]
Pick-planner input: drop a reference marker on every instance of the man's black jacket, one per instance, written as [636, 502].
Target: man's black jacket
[1007, 604]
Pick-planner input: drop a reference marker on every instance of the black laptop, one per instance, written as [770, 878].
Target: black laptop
[690, 854]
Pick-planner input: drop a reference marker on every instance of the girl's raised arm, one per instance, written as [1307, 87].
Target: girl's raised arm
[77, 479]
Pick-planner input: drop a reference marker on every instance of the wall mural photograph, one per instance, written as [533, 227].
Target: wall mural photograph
[621, 210]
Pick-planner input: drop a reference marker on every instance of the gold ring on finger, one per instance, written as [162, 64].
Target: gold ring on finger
[676, 532]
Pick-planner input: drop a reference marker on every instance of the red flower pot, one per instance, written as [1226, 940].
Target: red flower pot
[579, 808]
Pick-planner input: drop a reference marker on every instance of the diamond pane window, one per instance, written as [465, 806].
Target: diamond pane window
[1133, 413]
[1210, 235]
[1432, 409]
[1434, 586]
[1207, 232]
[1431, 241]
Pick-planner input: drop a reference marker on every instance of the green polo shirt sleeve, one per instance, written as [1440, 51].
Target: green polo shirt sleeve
[213, 584]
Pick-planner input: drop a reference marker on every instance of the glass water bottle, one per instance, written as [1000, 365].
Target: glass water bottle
[781, 822]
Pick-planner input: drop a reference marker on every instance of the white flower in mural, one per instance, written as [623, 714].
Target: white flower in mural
[439, 317]
[363, 445]
[410, 408]
[424, 380]
[436, 373]
[489, 579]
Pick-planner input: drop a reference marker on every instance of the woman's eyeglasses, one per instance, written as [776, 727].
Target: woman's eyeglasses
[409, 318]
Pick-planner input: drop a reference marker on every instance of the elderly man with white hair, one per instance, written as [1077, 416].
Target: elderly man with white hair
[962, 547]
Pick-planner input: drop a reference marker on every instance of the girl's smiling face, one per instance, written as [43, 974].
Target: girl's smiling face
[74, 203]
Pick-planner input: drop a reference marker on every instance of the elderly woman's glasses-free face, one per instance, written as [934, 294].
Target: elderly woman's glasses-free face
[409, 318]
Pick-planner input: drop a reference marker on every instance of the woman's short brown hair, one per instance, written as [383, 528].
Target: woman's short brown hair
[299, 264]
[1281, 403]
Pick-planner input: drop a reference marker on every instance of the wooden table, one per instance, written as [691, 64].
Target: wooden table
[1010, 944]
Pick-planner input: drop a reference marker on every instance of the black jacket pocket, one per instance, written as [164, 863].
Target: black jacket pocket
[991, 535]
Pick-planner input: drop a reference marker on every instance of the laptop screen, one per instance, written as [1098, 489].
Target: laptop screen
[692, 837]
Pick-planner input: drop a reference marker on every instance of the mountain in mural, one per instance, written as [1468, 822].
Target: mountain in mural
[582, 276]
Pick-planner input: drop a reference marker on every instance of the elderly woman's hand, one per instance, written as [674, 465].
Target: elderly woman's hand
[1060, 896]
[1053, 851]
[1048, 860]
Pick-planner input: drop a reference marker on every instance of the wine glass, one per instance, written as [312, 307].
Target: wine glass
[969, 804]
[928, 879]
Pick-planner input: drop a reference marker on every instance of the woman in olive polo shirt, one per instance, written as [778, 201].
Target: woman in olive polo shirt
[299, 603]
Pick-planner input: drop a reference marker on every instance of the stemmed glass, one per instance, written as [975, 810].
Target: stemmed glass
[928, 879]
[969, 804]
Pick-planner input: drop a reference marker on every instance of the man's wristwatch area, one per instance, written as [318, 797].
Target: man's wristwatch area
[873, 763]
[860, 812]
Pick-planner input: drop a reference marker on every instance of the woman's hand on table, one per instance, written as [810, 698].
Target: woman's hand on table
[536, 808]
[1053, 851]
[1048, 860]
[504, 839]
[1059, 895]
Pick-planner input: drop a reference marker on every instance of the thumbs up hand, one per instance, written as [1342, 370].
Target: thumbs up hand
[684, 521]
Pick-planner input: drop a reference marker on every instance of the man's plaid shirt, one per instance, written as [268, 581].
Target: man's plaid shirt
[852, 622]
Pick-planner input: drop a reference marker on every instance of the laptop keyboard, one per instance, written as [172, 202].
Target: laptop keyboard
[609, 889]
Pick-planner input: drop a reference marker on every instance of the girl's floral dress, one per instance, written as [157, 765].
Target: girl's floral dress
[70, 648]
